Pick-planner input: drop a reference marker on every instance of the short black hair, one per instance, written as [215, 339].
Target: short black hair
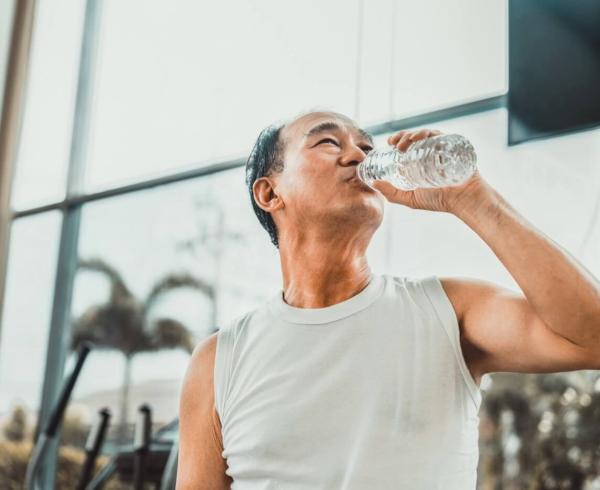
[266, 158]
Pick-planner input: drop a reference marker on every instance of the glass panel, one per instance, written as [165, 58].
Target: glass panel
[24, 337]
[149, 264]
[191, 110]
[45, 136]
[553, 183]
[183, 101]
[442, 53]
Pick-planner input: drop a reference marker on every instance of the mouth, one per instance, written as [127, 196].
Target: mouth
[355, 180]
[353, 177]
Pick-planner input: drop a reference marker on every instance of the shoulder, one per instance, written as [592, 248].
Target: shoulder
[430, 291]
[204, 353]
[197, 409]
[198, 381]
[457, 292]
[464, 292]
[466, 295]
[200, 461]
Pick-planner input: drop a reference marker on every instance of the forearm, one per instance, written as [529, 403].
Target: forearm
[563, 293]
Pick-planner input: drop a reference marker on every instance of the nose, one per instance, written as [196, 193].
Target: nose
[352, 156]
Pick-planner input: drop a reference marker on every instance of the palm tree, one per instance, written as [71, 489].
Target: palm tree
[123, 322]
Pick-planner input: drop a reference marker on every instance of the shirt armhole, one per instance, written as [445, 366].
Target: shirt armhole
[434, 291]
[221, 370]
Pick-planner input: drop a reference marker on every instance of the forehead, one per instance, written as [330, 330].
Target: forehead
[300, 127]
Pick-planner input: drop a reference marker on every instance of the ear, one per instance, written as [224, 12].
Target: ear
[265, 195]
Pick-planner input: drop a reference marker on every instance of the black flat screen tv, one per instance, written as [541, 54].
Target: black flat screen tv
[553, 67]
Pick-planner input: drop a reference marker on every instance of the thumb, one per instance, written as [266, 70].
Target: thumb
[390, 192]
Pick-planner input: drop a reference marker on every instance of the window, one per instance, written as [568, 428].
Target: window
[188, 257]
[26, 317]
[47, 123]
[166, 98]
[417, 57]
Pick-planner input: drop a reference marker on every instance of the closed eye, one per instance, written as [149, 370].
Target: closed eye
[331, 140]
[365, 148]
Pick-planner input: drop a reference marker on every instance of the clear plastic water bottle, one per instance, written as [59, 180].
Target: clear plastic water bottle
[438, 161]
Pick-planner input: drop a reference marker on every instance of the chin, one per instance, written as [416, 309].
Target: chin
[363, 210]
[374, 202]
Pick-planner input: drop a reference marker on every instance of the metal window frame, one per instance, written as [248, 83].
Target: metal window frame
[11, 120]
[59, 334]
[71, 206]
[203, 169]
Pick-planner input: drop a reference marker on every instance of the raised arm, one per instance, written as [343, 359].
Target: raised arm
[200, 465]
[554, 324]
[500, 332]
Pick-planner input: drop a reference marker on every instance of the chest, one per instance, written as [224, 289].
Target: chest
[388, 392]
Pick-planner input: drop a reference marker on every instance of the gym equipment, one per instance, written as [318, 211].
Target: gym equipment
[92, 447]
[141, 445]
[159, 460]
[149, 459]
[48, 435]
[170, 472]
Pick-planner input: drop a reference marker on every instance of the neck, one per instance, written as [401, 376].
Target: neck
[320, 272]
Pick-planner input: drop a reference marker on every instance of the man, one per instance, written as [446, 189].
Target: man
[351, 380]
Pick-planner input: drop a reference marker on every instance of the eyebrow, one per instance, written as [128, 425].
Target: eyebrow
[332, 126]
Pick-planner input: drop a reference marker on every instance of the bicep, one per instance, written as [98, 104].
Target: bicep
[507, 334]
[200, 463]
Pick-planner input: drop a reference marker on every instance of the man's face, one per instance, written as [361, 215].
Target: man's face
[322, 151]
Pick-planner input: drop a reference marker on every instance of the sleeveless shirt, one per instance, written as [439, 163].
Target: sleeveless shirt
[369, 393]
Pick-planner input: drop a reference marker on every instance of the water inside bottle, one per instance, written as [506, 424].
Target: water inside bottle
[438, 161]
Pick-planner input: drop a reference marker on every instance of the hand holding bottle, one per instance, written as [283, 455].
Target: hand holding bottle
[444, 199]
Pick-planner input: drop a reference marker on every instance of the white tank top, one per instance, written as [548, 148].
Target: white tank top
[369, 393]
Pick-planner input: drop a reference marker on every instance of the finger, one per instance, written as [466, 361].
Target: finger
[389, 191]
[434, 132]
[392, 140]
[420, 134]
[396, 137]
[404, 142]
[394, 194]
